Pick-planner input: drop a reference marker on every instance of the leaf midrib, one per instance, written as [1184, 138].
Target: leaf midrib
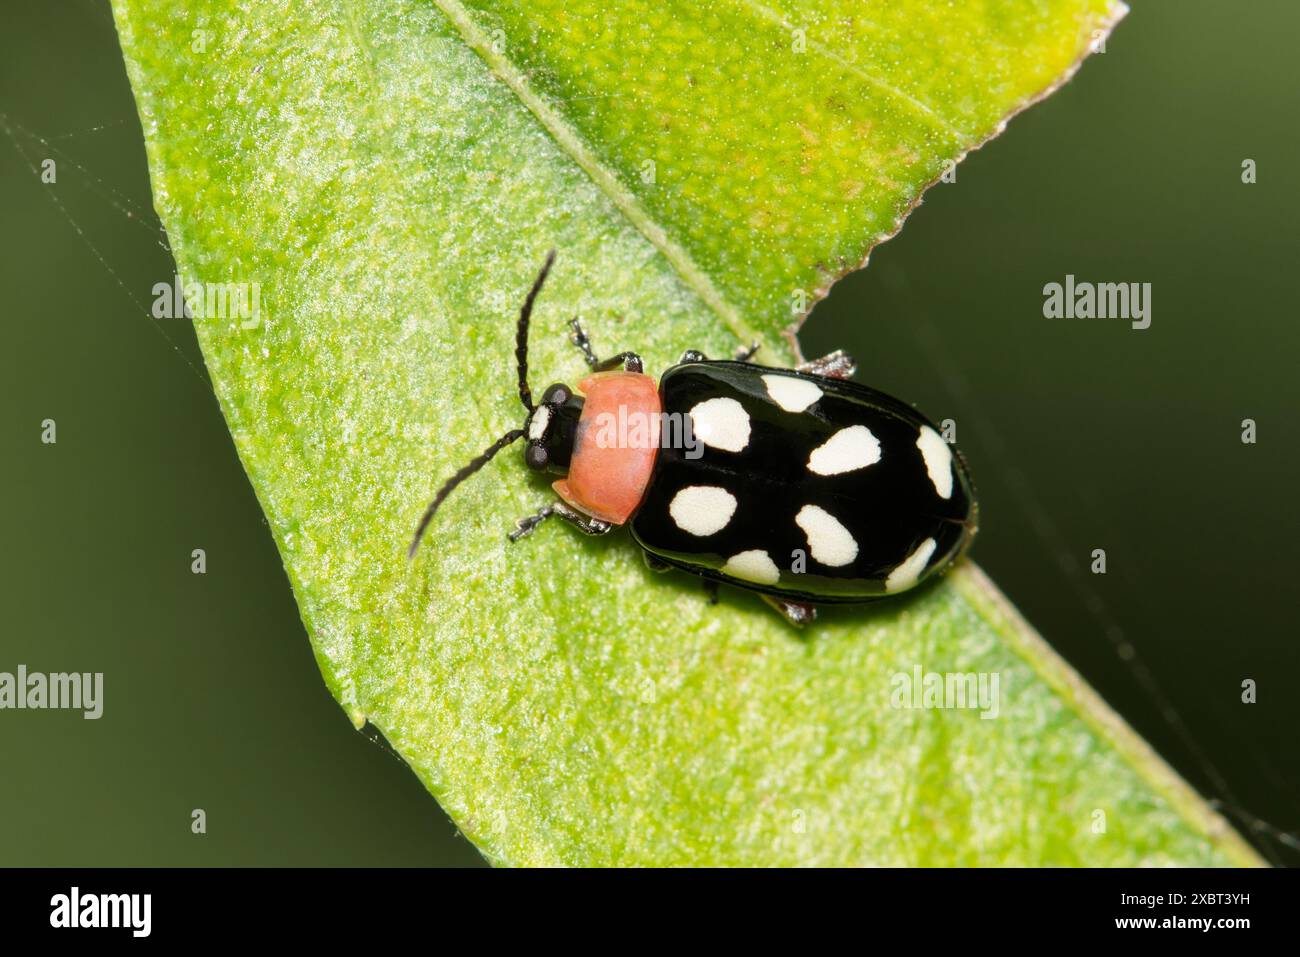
[573, 145]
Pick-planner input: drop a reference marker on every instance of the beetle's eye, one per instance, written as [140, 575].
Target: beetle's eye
[557, 394]
[535, 457]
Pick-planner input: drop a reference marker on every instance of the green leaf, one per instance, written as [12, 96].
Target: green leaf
[391, 173]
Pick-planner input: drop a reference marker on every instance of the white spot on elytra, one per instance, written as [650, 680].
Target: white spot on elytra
[938, 460]
[846, 450]
[830, 542]
[910, 568]
[791, 394]
[754, 565]
[537, 426]
[702, 509]
[721, 423]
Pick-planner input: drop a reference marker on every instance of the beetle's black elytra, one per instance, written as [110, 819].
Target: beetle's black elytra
[837, 493]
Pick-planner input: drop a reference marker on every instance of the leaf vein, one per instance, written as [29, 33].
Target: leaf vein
[572, 143]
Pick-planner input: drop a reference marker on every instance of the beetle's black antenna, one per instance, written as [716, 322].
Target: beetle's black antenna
[525, 396]
[465, 472]
[521, 337]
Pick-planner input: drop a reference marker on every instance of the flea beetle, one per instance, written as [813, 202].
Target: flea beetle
[796, 484]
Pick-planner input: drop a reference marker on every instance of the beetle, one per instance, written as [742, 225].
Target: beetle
[797, 484]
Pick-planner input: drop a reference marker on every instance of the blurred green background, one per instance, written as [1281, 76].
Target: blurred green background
[1081, 434]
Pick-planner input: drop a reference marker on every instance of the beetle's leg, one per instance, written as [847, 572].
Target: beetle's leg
[796, 613]
[584, 523]
[654, 563]
[579, 338]
[711, 589]
[836, 365]
[693, 355]
[630, 361]
[745, 353]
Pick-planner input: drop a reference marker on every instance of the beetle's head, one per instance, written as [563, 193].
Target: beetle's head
[551, 429]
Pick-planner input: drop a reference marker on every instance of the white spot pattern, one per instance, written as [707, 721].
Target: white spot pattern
[791, 394]
[537, 426]
[721, 423]
[845, 451]
[938, 460]
[702, 509]
[830, 542]
[904, 576]
[754, 565]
